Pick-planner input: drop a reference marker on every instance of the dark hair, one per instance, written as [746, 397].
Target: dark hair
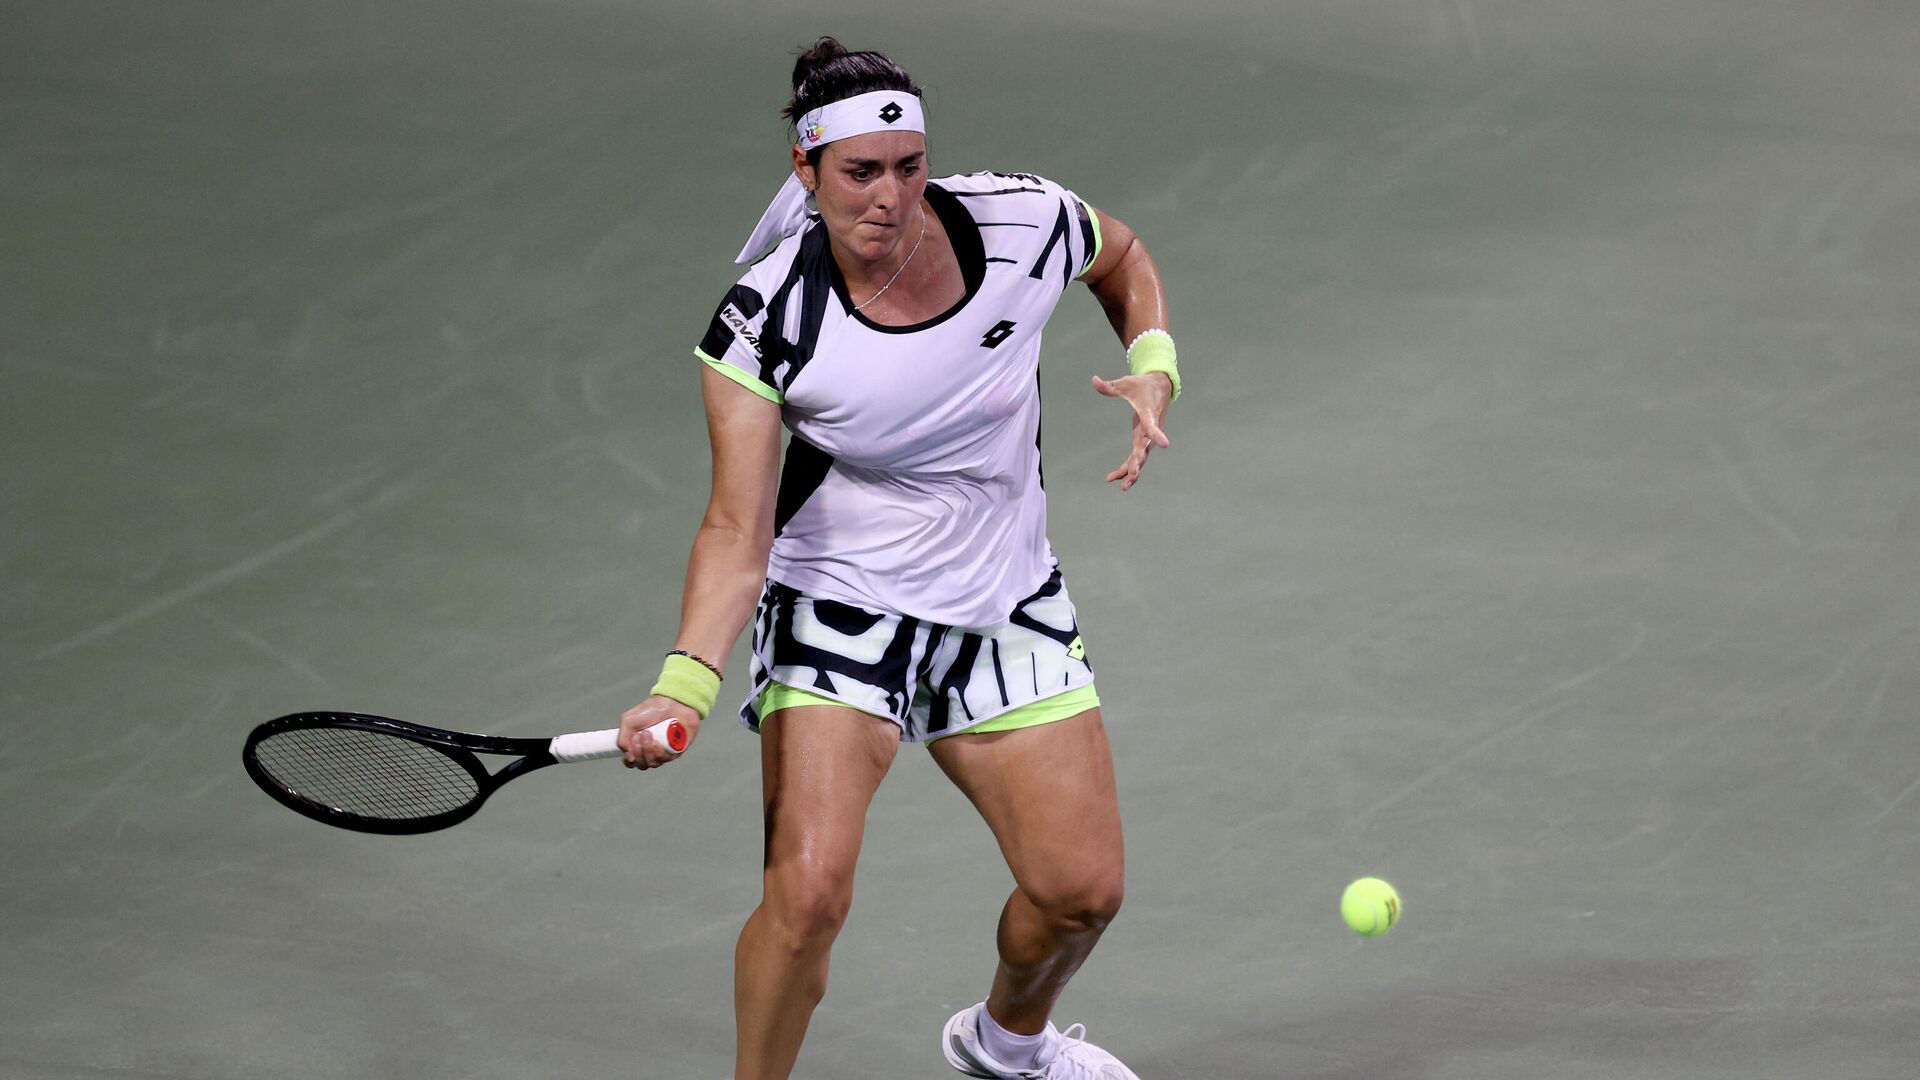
[827, 72]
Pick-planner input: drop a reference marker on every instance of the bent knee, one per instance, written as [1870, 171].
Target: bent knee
[1088, 904]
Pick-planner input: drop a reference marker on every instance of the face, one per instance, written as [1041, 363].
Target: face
[868, 189]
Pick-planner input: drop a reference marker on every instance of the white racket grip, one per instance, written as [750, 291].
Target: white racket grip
[585, 745]
[588, 745]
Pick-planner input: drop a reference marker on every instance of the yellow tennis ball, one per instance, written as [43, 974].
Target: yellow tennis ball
[1370, 906]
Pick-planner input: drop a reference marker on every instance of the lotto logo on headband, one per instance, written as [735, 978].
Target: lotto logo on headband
[881, 110]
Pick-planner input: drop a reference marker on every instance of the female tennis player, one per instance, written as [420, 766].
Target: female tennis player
[905, 587]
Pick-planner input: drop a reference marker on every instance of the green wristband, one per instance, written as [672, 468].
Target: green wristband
[1153, 351]
[688, 682]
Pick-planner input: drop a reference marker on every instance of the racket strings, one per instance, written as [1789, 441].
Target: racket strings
[367, 773]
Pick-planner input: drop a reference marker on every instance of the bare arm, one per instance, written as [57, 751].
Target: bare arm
[1127, 284]
[729, 561]
[728, 565]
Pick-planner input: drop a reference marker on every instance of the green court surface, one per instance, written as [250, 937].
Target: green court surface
[1541, 532]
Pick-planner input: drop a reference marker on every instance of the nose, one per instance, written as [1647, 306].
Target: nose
[886, 194]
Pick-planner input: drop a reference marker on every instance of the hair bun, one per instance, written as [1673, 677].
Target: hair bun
[828, 72]
[823, 52]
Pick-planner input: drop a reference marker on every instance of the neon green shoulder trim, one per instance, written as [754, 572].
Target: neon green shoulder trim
[741, 377]
[1099, 241]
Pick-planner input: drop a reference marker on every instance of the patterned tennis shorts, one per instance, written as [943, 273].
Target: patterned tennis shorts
[931, 680]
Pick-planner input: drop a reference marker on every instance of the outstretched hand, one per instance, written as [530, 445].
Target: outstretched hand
[1149, 394]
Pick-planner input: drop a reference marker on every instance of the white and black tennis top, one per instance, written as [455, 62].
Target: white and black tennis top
[912, 483]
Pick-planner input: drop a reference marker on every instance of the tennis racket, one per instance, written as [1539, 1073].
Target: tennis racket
[372, 774]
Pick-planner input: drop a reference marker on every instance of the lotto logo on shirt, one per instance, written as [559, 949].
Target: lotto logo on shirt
[1001, 332]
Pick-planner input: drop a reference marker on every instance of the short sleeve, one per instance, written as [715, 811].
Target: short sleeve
[1076, 228]
[734, 344]
[1066, 231]
[1090, 239]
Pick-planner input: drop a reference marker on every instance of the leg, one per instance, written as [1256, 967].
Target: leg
[1048, 795]
[819, 769]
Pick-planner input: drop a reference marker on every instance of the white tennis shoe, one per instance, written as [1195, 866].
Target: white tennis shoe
[1067, 1056]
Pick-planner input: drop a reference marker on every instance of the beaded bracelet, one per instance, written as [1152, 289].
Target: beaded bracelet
[708, 664]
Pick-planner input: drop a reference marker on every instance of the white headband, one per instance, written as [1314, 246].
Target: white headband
[882, 110]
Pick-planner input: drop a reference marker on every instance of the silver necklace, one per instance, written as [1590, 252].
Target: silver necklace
[903, 264]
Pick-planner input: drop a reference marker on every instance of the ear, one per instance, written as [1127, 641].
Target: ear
[803, 170]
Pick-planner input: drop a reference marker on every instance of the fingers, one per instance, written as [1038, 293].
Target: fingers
[1147, 396]
[1129, 472]
[1154, 433]
[649, 754]
[643, 752]
[640, 749]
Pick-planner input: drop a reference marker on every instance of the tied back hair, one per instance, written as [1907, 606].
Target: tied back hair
[827, 72]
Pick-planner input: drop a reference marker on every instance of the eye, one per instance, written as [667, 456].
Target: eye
[862, 174]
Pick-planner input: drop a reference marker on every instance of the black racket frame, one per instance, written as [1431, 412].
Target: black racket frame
[459, 746]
